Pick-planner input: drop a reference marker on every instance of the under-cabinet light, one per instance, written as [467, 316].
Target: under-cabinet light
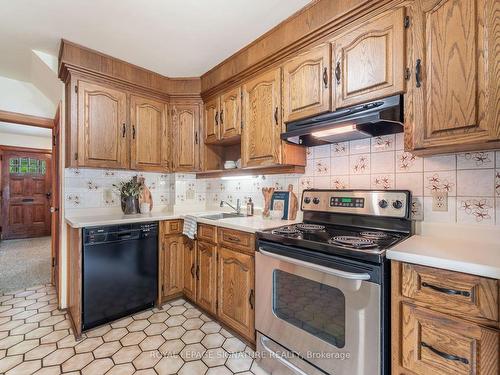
[333, 131]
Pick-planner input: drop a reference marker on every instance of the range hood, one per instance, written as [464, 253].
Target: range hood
[379, 117]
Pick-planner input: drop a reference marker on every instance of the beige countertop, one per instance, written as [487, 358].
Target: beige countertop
[250, 224]
[468, 249]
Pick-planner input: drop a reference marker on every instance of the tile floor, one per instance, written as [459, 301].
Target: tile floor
[36, 338]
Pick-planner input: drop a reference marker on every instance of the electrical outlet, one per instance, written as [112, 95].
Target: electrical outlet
[440, 201]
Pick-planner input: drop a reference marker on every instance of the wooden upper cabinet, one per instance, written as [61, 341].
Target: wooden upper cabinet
[369, 60]
[230, 114]
[102, 128]
[211, 120]
[149, 140]
[455, 49]
[306, 84]
[186, 124]
[262, 123]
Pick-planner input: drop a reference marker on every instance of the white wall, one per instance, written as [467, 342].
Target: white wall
[24, 140]
[24, 97]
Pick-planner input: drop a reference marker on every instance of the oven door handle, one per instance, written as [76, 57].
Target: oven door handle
[317, 267]
[288, 364]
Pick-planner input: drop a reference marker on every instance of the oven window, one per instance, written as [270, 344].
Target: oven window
[314, 307]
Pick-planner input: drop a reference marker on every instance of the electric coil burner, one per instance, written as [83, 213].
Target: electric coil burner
[323, 285]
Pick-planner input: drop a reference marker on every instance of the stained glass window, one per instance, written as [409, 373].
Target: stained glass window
[21, 165]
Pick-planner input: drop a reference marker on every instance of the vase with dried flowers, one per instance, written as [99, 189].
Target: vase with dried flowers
[129, 195]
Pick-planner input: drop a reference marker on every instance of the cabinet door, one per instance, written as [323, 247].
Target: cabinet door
[230, 114]
[456, 49]
[306, 81]
[368, 61]
[433, 343]
[261, 143]
[102, 129]
[186, 123]
[149, 134]
[173, 260]
[206, 276]
[236, 299]
[211, 120]
[190, 268]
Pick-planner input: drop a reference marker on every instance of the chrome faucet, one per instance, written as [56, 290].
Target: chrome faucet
[237, 208]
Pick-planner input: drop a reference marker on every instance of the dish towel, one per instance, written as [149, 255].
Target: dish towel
[190, 226]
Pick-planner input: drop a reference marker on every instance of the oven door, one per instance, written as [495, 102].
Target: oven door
[328, 316]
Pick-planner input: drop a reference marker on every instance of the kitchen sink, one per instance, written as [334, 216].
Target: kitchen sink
[223, 215]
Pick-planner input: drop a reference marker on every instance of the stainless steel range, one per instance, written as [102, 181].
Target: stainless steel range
[322, 286]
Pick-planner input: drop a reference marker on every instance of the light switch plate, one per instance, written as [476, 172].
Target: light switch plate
[440, 201]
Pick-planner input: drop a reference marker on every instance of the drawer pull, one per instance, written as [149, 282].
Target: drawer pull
[444, 355]
[446, 290]
[233, 239]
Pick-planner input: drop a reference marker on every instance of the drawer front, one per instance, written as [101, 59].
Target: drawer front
[235, 239]
[451, 292]
[433, 343]
[172, 226]
[207, 233]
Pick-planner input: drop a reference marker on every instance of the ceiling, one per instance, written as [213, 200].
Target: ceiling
[176, 38]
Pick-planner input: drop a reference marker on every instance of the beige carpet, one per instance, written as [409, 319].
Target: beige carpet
[24, 263]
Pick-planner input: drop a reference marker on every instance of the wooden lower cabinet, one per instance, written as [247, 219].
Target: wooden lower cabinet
[206, 276]
[189, 268]
[445, 333]
[235, 292]
[172, 260]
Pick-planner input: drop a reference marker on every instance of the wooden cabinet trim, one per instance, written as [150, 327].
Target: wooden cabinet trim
[235, 239]
[207, 233]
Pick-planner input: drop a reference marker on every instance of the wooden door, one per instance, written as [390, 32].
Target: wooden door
[230, 114]
[149, 143]
[434, 343]
[206, 275]
[186, 123]
[236, 298]
[26, 188]
[306, 84]
[455, 48]
[190, 268]
[102, 128]
[211, 120]
[55, 200]
[262, 125]
[369, 60]
[173, 261]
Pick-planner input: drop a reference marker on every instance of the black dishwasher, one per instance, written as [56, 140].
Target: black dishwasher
[120, 271]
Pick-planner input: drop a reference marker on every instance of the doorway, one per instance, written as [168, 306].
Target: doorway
[29, 208]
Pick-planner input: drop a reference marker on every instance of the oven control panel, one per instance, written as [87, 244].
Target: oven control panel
[390, 203]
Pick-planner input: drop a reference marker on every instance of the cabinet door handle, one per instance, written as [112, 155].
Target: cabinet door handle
[250, 298]
[276, 115]
[418, 73]
[192, 270]
[222, 117]
[216, 118]
[133, 131]
[446, 290]
[337, 72]
[197, 272]
[444, 355]
[124, 130]
[196, 137]
[325, 77]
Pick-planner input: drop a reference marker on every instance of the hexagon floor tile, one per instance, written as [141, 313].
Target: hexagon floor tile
[36, 338]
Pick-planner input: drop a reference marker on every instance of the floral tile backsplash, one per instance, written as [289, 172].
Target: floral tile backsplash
[472, 181]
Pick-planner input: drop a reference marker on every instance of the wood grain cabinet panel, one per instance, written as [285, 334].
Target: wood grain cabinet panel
[235, 239]
[102, 129]
[369, 60]
[462, 294]
[172, 265]
[230, 114]
[189, 268]
[149, 139]
[207, 233]
[436, 344]
[261, 143]
[453, 105]
[206, 275]
[306, 84]
[186, 124]
[211, 120]
[236, 298]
